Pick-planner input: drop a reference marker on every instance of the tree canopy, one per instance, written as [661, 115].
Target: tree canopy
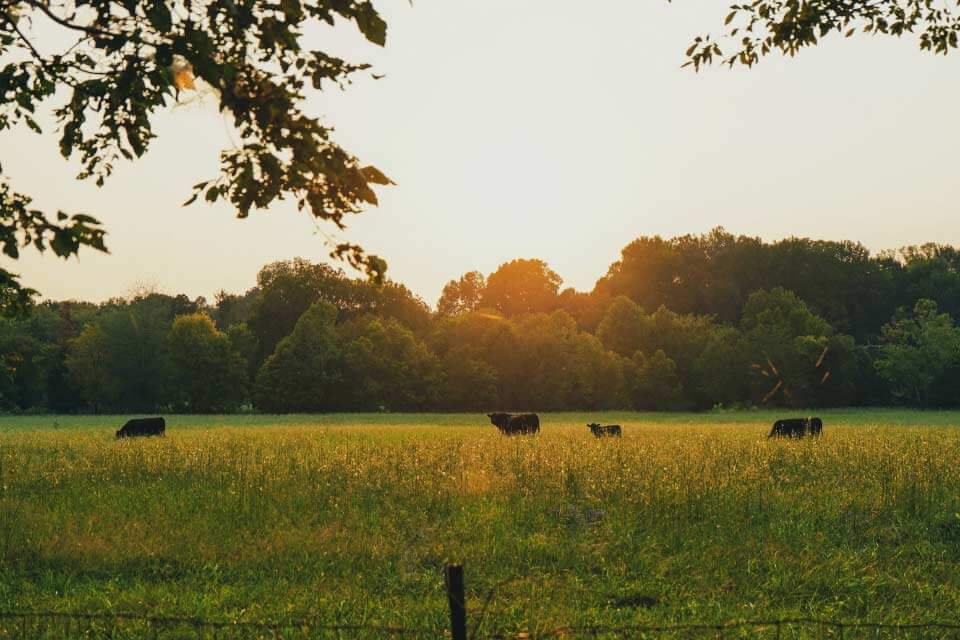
[754, 30]
[104, 70]
[726, 321]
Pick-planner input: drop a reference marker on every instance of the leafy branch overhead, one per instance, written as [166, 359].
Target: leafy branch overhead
[107, 67]
[753, 30]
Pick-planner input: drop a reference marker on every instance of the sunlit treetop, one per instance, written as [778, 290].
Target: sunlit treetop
[104, 68]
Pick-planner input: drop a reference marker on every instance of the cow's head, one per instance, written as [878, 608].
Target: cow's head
[499, 419]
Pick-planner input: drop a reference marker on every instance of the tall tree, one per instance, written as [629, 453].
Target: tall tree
[522, 286]
[106, 69]
[917, 350]
[386, 367]
[305, 373]
[208, 374]
[788, 345]
[88, 364]
[460, 296]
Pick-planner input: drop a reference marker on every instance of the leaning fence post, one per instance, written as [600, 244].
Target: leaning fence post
[457, 600]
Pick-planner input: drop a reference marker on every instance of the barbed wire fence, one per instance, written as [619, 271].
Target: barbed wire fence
[43, 625]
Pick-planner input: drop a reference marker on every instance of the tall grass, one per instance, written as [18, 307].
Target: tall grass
[684, 518]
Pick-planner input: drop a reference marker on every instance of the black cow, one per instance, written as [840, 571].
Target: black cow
[796, 428]
[815, 427]
[512, 424]
[605, 430]
[142, 427]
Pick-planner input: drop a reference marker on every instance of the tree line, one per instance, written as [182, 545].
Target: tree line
[692, 322]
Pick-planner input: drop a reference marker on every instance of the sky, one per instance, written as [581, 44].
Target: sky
[547, 129]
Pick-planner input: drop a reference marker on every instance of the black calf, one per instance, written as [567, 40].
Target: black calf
[605, 430]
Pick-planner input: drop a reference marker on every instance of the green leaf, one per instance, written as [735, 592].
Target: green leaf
[371, 25]
[374, 175]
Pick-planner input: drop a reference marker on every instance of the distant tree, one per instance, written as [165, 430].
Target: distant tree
[780, 314]
[621, 329]
[137, 355]
[714, 274]
[305, 373]
[561, 367]
[918, 350]
[595, 376]
[106, 73]
[652, 382]
[460, 296]
[469, 383]
[391, 300]
[288, 288]
[930, 271]
[491, 342]
[648, 271]
[285, 291]
[208, 374]
[244, 343]
[88, 361]
[522, 286]
[718, 373]
[230, 309]
[786, 342]
[839, 281]
[385, 366]
[587, 308]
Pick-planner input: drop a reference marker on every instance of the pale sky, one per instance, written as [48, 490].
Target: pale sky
[537, 128]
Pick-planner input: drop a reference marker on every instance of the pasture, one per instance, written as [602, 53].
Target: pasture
[687, 517]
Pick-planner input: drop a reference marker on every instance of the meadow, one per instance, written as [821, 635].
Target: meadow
[350, 518]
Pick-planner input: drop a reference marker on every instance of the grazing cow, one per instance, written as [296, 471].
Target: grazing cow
[142, 427]
[796, 428]
[512, 424]
[815, 427]
[605, 430]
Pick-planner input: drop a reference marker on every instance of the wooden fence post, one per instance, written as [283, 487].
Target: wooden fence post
[457, 600]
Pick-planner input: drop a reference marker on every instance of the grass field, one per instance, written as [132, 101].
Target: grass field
[350, 517]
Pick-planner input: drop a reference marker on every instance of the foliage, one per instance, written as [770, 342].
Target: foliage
[137, 355]
[244, 343]
[787, 345]
[88, 363]
[653, 382]
[521, 286]
[715, 273]
[753, 30]
[620, 329]
[22, 226]
[285, 290]
[916, 351]
[210, 374]
[385, 350]
[469, 383]
[106, 71]
[305, 373]
[463, 295]
[389, 368]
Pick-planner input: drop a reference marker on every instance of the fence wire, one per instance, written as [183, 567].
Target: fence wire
[42, 625]
[773, 628]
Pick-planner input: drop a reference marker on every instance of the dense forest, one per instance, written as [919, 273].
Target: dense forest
[694, 322]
